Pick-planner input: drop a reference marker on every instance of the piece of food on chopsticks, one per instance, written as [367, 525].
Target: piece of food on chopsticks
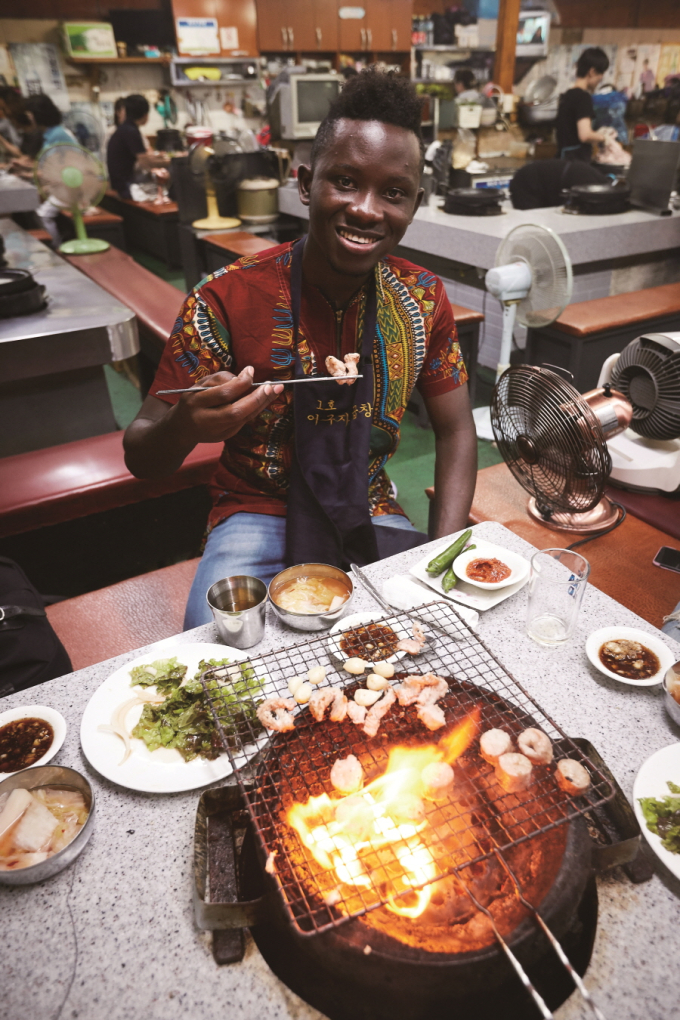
[184, 721]
[344, 371]
[663, 817]
[36, 824]
[450, 579]
[163, 674]
[443, 560]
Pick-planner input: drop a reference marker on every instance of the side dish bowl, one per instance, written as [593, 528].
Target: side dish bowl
[49, 715]
[50, 775]
[654, 644]
[672, 706]
[310, 621]
[518, 566]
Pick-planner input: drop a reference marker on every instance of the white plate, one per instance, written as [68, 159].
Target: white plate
[50, 715]
[360, 620]
[467, 594]
[163, 770]
[662, 652]
[651, 781]
[519, 568]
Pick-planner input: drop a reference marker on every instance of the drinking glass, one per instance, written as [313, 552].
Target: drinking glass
[238, 605]
[556, 586]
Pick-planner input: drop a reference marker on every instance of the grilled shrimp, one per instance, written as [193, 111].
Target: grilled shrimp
[339, 707]
[319, 701]
[493, 744]
[347, 775]
[414, 645]
[345, 372]
[431, 715]
[437, 780]
[357, 713]
[275, 714]
[572, 777]
[425, 689]
[513, 772]
[375, 714]
[536, 745]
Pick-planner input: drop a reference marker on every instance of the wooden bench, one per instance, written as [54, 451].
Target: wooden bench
[152, 228]
[104, 225]
[137, 612]
[587, 332]
[467, 324]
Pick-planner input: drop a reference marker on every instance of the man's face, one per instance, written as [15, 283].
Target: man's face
[593, 79]
[362, 194]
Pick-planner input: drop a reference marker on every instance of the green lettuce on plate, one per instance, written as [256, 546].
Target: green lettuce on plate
[663, 817]
[165, 674]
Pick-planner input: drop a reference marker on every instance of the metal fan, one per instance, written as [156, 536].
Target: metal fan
[199, 164]
[554, 440]
[75, 179]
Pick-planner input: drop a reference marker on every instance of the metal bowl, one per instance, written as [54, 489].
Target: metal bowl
[50, 775]
[672, 706]
[309, 621]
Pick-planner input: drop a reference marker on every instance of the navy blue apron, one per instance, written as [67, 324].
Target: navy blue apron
[328, 520]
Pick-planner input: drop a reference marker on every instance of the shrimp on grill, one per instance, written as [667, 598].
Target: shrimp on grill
[275, 714]
[329, 697]
[431, 715]
[339, 707]
[375, 714]
[357, 713]
[347, 775]
[536, 746]
[425, 689]
[494, 743]
[345, 372]
[414, 645]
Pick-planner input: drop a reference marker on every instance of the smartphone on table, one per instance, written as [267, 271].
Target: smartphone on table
[668, 558]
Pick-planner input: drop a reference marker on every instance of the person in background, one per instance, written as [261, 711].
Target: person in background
[118, 118]
[126, 152]
[465, 86]
[575, 135]
[539, 184]
[10, 139]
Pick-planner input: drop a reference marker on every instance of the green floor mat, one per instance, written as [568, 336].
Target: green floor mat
[172, 275]
[126, 399]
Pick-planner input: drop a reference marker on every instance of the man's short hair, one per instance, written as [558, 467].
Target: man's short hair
[465, 77]
[372, 95]
[136, 107]
[45, 113]
[594, 58]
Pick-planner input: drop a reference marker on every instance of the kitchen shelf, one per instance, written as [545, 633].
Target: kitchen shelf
[119, 60]
[420, 48]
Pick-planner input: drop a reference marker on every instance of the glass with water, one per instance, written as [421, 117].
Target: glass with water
[556, 586]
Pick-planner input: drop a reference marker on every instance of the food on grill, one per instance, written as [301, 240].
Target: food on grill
[629, 658]
[367, 698]
[385, 669]
[36, 824]
[316, 674]
[375, 682]
[347, 775]
[425, 689]
[345, 371]
[437, 780]
[356, 666]
[377, 712]
[375, 641]
[536, 746]
[513, 772]
[339, 707]
[331, 697]
[117, 724]
[303, 693]
[312, 595]
[163, 674]
[414, 645]
[270, 866]
[572, 777]
[493, 744]
[23, 742]
[275, 714]
[355, 816]
[431, 715]
[663, 817]
[487, 570]
[357, 713]
[444, 559]
[294, 683]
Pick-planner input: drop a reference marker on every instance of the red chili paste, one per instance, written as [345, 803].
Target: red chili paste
[488, 570]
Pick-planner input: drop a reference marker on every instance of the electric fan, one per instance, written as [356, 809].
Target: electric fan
[647, 455]
[199, 164]
[74, 179]
[84, 121]
[168, 138]
[554, 440]
[533, 280]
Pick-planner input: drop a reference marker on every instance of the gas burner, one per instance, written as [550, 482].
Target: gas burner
[20, 294]
[474, 201]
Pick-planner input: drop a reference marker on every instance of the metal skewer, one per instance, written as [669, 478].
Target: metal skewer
[271, 382]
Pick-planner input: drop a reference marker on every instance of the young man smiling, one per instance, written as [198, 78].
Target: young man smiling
[301, 475]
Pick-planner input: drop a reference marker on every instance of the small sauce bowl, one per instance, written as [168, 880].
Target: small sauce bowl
[310, 621]
[672, 706]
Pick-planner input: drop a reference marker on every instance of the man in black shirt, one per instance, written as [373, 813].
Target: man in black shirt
[575, 113]
[126, 151]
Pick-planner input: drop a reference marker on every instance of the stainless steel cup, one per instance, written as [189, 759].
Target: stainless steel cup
[239, 606]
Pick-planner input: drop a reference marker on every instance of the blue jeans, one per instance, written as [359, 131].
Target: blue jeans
[252, 544]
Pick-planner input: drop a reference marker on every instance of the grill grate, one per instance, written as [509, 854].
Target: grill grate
[294, 766]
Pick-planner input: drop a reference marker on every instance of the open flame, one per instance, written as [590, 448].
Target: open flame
[377, 838]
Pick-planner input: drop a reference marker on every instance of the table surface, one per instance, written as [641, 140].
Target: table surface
[75, 304]
[474, 240]
[113, 936]
[17, 195]
[621, 561]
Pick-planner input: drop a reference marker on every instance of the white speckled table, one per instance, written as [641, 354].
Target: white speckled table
[113, 938]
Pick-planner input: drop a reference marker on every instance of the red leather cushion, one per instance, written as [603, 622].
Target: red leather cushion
[462, 314]
[587, 317]
[240, 243]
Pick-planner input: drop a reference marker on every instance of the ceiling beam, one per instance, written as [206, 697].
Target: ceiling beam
[506, 44]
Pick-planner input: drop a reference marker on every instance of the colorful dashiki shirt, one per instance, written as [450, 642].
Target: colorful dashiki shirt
[241, 316]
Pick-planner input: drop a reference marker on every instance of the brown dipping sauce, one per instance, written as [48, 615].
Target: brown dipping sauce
[490, 571]
[23, 742]
[372, 643]
[629, 659]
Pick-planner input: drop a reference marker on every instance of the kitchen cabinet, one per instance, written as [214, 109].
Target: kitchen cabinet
[385, 27]
[303, 26]
[235, 14]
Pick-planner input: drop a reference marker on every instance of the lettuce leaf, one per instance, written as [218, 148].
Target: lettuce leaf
[165, 674]
[663, 817]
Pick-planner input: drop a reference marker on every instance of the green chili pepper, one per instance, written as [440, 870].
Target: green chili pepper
[444, 560]
[450, 580]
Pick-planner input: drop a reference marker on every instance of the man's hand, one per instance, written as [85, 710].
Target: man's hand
[161, 436]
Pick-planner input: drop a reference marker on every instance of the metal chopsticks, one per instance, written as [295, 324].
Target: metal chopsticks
[272, 382]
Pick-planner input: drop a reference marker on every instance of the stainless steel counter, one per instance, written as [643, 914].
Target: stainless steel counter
[17, 195]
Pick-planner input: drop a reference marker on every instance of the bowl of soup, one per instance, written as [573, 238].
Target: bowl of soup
[311, 596]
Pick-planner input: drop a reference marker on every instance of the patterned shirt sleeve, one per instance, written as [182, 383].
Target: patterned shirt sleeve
[199, 345]
[444, 369]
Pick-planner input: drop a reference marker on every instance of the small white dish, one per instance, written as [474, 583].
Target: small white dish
[652, 781]
[51, 716]
[662, 652]
[361, 620]
[519, 567]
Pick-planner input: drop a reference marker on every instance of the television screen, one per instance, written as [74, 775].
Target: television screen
[314, 99]
[532, 34]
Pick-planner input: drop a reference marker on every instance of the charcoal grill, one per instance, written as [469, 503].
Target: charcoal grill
[295, 766]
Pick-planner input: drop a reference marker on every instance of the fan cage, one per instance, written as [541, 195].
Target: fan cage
[648, 375]
[95, 177]
[550, 439]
